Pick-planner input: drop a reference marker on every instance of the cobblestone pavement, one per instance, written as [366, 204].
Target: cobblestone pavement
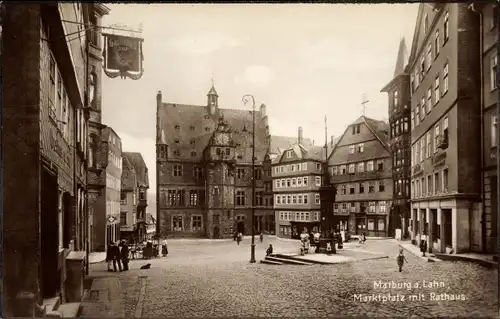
[203, 278]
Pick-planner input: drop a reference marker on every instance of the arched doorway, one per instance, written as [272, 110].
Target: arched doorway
[241, 228]
[216, 233]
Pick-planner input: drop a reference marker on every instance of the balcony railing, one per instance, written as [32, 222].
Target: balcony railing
[439, 158]
[441, 142]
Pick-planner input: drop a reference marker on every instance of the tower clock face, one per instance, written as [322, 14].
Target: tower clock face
[222, 139]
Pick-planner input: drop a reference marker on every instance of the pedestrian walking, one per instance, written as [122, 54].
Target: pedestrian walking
[124, 255]
[109, 256]
[238, 239]
[115, 254]
[423, 244]
[401, 259]
[261, 237]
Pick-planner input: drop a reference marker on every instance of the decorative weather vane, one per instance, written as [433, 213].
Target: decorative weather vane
[364, 101]
[213, 82]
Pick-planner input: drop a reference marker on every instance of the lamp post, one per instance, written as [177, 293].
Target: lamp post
[246, 98]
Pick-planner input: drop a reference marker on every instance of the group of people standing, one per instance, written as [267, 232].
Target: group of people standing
[118, 255]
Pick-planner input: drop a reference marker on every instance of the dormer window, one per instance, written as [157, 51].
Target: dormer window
[192, 128]
[177, 153]
[192, 142]
[207, 117]
[193, 153]
[177, 127]
[177, 141]
[289, 154]
[207, 129]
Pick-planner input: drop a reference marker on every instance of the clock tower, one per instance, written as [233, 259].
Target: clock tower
[212, 101]
[220, 165]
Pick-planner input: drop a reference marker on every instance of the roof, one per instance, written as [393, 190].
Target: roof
[212, 91]
[141, 170]
[106, 131]
[129, 180]
[189, 128]
[401, 59]
[281, 143]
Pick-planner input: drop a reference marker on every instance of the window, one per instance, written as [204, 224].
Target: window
[258, 198]
[429, 185]
[123, 198]
[446, 26]
[306, 179]
[318, 167]
[429, 144]
[336, 207]
[343, 169]
[240, 198]
[195, 223]
[317, 180]
[304, 166]
[422, 104]
[289, 154]
[429, 56]
[412, 120]
[437, 94]
[299, 182]
[351, 149]
[380, 165]
[369, 166]
[240, 173]
[361, 167]
[334, 170]
[177, 170]
[396, 101]
[422, 67]
[445, 180]
[257, 174]
[493, 71]
[371, 188]
[177, 127]
[317, 199]
[445, 129]
[437, 44]
[422, 149]
[381, 224]
[351, 189]
[426, 23]
[342, 190]
[361, 188]
[371, 224]
[494, 130]
[383, 208]
[412, 83]
[445, 79]
[372, 207]
[436, 138]
[429, 100]
[352, 168]
[417, 115]
[192, 128]
[123, 218]
[437, 183]
[361, 147]
[288, 182]
[177, 223]
[197, 172]
[381, 186]
[306, 198]
[278, 199]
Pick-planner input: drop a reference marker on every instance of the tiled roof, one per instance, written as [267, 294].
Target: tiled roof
[140, 168]
[187, 129]
[281, 143]
[129, 180]
[379, 128]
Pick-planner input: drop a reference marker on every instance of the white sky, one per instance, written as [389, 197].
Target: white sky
[304, 61]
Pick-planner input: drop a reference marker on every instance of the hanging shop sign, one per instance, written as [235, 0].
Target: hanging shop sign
[123, 56]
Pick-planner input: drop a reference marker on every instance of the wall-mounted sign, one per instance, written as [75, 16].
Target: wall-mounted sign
[123, 56]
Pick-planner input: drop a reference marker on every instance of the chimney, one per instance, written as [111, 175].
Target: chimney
[158, 98]
[300, 139]
[331, 140]
[262, 110]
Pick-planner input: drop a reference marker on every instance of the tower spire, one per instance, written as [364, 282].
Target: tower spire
[364, 101]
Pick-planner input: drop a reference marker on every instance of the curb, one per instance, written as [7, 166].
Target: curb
[485, 263]
[427, 258]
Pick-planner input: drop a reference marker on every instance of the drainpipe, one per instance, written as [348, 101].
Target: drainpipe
[481, 99]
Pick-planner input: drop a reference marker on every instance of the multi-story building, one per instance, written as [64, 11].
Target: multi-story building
[135, 163]
[98, 161]
[398, 90]
[204, 167]
[489, 128]
[44, 133]
[361, 169]
[297, 176]
[106, 209]
[445, 123]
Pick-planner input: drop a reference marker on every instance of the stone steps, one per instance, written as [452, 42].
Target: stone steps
[55, 309]
[271, 262]
[288, 261]
[310, 262]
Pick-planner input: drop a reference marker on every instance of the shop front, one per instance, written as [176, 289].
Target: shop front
[300, 227]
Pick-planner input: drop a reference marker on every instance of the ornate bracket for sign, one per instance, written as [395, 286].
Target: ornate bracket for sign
[124, 72]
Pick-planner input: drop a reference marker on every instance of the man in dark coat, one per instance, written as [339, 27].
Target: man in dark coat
[124, 255]
[109, 256]
[115, 254]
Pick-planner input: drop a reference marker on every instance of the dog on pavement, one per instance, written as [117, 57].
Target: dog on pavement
[146, 266]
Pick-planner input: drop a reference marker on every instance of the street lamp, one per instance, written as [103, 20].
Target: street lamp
[246, 98]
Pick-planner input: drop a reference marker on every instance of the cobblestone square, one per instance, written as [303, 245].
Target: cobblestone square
[214, 278]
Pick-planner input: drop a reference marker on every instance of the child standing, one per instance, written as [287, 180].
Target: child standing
[401, 259]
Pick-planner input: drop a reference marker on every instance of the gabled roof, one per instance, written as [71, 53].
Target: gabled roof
[189, 128]
[140, 169]
[129, 179]
[378, 128]
[280, 143]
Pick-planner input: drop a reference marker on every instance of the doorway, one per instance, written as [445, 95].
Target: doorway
[51, 277]
[240, 227]
[447, 228]
[216, 233]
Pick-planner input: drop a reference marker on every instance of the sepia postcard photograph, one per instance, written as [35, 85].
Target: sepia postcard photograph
[249, 159]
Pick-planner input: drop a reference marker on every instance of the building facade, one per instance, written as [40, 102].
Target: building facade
[445, 123]
[297, 176]
[204, 167]
[140, 197]
[128, 200]
[361, 169]
[398, 91]
[98, 161]
[44, 132]
[106, 208]
[489, 129]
